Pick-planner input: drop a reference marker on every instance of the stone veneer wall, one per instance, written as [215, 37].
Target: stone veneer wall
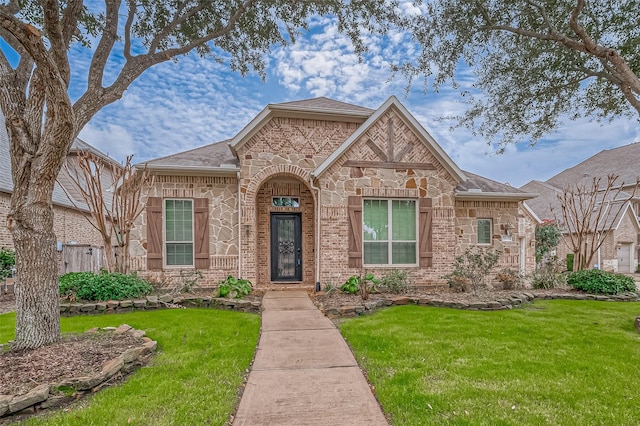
[340, 181]
[501, 213]
[223, 225]
[287, 150]
[527, 230]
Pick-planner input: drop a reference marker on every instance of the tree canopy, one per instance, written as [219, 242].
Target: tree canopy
[536, 61]
[122, 38]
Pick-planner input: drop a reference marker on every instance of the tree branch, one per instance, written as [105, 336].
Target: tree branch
[69, 24]
[53, 31]
[107, 41]
[91, 102]
[127, 29]
[177, 20]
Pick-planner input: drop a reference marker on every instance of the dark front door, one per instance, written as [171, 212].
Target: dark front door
[286, 247]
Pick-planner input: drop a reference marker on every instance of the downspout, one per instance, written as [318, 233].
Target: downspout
[239, 229]
[317, 188]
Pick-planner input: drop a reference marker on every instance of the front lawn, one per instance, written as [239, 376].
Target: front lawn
[194, 378]
[553, 362]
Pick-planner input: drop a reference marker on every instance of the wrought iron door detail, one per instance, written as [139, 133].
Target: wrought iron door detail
[286, 247]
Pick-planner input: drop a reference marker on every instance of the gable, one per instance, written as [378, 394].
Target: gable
[392, 138]
[285, 136]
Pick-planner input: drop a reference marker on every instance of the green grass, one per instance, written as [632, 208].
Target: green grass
[193, 379]
[554, 362]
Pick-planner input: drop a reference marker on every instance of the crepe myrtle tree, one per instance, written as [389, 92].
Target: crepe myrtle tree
[42, 119]
[536, 61]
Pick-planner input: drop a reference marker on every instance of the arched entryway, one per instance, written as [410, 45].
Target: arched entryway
[285, 237]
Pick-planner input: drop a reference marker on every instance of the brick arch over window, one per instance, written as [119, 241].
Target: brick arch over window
[271, 172]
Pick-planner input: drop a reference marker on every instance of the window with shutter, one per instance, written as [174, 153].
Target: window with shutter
[389, 230]
[154, 233]
[355, 231]
[426, 233]
[201, 237]
[178, 230]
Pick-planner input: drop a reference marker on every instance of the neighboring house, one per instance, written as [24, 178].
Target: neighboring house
[619, 252]
[70, 213]
[318, 190]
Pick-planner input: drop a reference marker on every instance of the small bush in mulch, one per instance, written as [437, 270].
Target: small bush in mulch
[103, 286]
[596, 281]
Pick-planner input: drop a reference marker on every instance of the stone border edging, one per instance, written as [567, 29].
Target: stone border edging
[48, 395]
[516, 300]
[165, 301]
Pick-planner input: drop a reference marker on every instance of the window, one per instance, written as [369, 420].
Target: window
[389, 232]
[484, 231]
[178, 229]
[285, 202]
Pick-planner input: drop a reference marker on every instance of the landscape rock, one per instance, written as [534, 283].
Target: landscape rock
[165, 298]
[140, 303]
[123, 328]
[4, 404]
[36, 395]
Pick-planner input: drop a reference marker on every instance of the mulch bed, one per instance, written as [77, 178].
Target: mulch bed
[76, 355]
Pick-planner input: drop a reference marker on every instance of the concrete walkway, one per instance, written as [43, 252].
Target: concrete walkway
[304, 372]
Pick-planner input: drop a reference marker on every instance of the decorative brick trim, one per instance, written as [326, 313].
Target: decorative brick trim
[271, 172]
[390, 192]
[224, 262]
[333, 212]
[177, 193]
[209, 180]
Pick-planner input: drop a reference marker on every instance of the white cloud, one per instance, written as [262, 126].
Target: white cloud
[178, 106]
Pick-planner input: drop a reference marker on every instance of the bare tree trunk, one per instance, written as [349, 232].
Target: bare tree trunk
[37, 293]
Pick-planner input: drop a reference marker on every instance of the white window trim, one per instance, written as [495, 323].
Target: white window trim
[390, 241]
[490, 231]
[164, 233]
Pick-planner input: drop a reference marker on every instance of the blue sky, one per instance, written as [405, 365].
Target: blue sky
[192, 102]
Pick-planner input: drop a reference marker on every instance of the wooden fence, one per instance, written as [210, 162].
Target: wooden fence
[81, 258]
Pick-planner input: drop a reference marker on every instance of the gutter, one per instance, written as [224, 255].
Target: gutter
[494, 196]
[226, 170]
[318, 202]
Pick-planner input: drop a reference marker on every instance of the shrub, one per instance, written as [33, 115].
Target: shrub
[396, 282]
[351, 286]
[548, 275]
[103, 286]
[358, 284]
[7, 262]
[330, 288]
[570, 261]
[471, 269]
[509, 279]
[234, 287]
[596, 281]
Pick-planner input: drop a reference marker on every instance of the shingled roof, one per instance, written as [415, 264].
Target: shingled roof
[212, 156]
[326, 104]
[59, 196]
[623, 161]
[478, 184]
